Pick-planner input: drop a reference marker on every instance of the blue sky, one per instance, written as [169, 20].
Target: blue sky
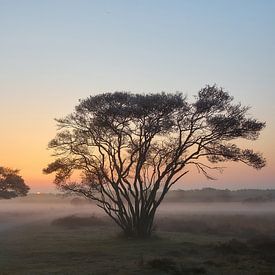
[54, 52]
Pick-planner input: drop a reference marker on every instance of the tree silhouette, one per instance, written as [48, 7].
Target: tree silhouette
[132, 148]
[11, 184]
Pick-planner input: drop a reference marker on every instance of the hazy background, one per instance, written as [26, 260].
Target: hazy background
[53, 53]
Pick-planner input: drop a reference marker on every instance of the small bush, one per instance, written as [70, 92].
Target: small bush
[192, 270]
[74, 221]
[233, 246]
[164, 264]
[264, 243]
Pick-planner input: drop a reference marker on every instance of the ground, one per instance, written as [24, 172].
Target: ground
[182, 244]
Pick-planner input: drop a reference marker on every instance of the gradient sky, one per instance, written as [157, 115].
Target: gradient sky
[53, 53]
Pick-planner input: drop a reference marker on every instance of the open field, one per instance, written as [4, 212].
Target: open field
[60, 238]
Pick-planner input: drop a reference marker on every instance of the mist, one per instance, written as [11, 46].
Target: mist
[190, 235]
[40, 209]
[171, 216]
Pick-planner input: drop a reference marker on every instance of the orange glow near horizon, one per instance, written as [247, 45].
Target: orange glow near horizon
[29, 154]
[24, 140]
[26, 131]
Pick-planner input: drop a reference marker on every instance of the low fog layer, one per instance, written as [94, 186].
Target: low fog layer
[47, 208]
[18, 212]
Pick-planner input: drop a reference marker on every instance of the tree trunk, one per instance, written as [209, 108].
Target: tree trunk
[142, 228]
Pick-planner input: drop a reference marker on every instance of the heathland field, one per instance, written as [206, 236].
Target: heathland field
[61, 236]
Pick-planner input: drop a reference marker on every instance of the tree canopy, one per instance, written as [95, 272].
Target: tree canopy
[11, 184]
[132, 148]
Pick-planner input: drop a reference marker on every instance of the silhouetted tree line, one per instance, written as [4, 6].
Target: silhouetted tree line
[221, 195]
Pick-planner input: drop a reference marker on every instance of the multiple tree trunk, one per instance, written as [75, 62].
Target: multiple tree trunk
[131, 148]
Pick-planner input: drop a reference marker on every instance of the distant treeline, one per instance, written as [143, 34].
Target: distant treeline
[218, 195]
[199, 195]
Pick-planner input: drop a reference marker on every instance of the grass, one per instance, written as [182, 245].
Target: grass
[234, 225]
[90, 245]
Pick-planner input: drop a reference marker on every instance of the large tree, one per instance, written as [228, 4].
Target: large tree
[132, 148]
[11, 184]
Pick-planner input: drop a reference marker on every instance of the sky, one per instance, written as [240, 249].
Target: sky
[53, 53]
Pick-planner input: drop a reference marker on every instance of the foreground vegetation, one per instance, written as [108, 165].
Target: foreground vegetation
[184, 244]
